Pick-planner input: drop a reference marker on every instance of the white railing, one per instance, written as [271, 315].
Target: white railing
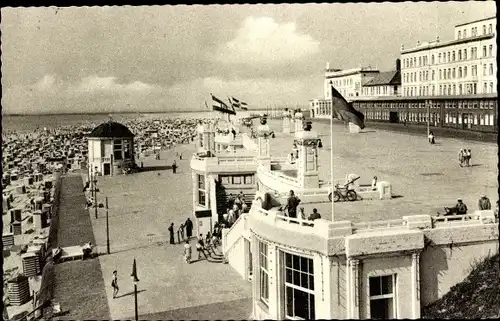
[249, 143]
[294, 220]
[279, 176]
[234, 233]
[377, 225]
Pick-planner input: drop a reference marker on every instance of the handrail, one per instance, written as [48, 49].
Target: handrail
[240, 218]
[296, 220]
[397, 223]
[275, 175]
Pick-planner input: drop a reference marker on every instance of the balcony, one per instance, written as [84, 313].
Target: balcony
[219, 164]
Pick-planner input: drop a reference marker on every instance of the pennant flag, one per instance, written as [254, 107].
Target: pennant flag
[345, 111]
[223, 107]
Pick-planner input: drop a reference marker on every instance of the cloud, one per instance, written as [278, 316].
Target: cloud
[109, 84]
[263, 40]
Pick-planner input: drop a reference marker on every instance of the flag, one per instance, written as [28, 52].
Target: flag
[243, 105]
[206, 105]
[223, 107]
[345, 111]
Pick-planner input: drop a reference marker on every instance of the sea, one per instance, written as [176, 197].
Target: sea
[22, 123]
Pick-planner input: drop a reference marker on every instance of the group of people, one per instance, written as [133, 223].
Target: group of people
[236, 205]
[187, 226]
[461, 209]
[203, 244]
[464, 156]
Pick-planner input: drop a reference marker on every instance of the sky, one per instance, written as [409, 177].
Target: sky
[170, 58]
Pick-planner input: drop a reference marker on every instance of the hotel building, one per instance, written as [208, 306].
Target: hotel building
[465, 65]
[450, 84]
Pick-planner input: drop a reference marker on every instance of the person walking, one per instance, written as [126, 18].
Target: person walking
[187, 252]
[171, 231]
[461, 157]
[189, 228]
[468, 156]
[200, 246]
[484, 203]
[114, 284]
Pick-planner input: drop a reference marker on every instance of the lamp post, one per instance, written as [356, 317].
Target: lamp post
[135, 280]
[107, 227]
[95, 191]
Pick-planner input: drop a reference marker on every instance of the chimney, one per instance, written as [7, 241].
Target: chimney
[418, 42]
[402, 47]
[327, 65]
[437, 38]
[398, 64]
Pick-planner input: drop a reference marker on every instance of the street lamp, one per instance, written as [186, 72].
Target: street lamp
[135, 280]
[107, 227]
[95, 191]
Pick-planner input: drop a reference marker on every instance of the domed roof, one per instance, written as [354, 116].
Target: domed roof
[111, 129]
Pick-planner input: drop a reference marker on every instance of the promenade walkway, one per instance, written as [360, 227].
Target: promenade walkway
[79, 286]
[141, 207]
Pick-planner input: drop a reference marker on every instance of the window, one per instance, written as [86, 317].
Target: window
[382, 305]
[236, 179]
[465, 54]
[485, 88]
[263, 273]
[433, 74]
[491, 88]
[248, 179]
[459, 34]
[484, 69]
[490, 28]
[117, 149]
[225, 180]
[491, 50]
[419, 61]
[453, 73]
[465, 33]
[460, 89]
[299, 287]
[448, 57]
[449, 73]
[439, 57]
[460, 55]
[484, 51]
[484, 29]
[491, 69]
[432, 60]
[453, 56]
[459, 72]
[201, 190]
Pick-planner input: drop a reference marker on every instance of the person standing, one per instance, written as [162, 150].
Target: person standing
[181, 230]
[187, 252]
[189, 228]
[171, 231]
[174, 167]
[374, 183]
[292, 204]
[114, 284]
[484, 203]
[200, 246]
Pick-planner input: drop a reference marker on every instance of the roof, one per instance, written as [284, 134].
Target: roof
[385, 78]
[479, 20]
[111, 129]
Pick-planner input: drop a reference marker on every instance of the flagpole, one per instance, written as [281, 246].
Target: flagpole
[331, 153]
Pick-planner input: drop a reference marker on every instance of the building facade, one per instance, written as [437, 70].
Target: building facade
[465, 65]
[348, 82]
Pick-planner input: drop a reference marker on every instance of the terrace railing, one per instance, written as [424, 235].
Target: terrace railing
[440, 220]
[249, 143]
[378, 225]
[278, 176]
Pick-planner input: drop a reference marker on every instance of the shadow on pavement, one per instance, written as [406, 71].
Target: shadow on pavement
[155, 168]
[129, 293]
